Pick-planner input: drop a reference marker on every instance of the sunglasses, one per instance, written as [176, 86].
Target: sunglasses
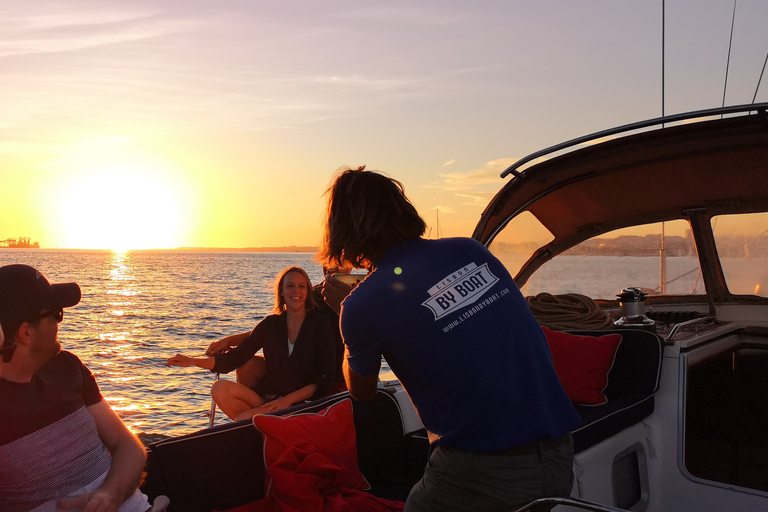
[56, 314]
[7, 351]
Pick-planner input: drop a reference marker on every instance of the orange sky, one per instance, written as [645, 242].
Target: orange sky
[157, 124]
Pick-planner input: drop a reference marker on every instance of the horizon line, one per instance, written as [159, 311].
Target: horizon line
[284, 248]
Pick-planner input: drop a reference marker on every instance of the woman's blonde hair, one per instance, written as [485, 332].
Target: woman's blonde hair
[279, 307]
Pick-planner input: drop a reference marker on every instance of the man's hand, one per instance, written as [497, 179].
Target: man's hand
[100, 501]
[334, 292]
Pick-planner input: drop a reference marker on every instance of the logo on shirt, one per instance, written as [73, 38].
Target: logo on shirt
[463, 286]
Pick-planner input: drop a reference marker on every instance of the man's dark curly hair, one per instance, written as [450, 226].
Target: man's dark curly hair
[366, 214]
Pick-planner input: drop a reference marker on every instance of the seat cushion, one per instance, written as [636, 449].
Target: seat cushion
[582, 363]
[599, 422]
[321, 443]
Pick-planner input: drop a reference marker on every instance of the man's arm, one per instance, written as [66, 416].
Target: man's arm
[361, 387]
[128, 459]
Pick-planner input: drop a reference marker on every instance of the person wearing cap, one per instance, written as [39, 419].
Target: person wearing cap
[57, 433]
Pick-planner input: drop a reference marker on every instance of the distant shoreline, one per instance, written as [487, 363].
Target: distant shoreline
[288, 248]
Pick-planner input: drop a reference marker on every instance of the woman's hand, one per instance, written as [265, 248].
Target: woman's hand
[217, 347]
[278, 404]
[180, 360]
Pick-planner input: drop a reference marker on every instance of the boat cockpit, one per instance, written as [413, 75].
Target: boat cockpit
[676, 208]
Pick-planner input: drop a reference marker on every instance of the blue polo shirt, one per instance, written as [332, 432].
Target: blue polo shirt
[453, 326]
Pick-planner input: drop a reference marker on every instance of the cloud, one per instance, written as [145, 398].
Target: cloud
[477, 187]
[449, 162]
[480, 198]
[49, 33]
[404, 14]
[486, 175]
[367, 83]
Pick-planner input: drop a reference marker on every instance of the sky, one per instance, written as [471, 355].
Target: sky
[134, 124]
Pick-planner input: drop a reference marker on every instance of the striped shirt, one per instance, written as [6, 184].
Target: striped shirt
[48, 439]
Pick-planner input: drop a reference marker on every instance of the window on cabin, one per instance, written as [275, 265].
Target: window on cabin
[519, 239]
[742, 245]
[602, 267]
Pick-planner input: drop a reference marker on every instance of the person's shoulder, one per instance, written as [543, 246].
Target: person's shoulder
[65, 364]
[417, 246]
[271, 319]
[65, 357]
[459, 241]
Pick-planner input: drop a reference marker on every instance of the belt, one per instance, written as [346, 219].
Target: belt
[535, 447]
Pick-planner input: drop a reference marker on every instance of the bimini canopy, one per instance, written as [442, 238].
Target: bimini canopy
[719, 164]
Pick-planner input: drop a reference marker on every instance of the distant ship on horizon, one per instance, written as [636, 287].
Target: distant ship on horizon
[19, 243]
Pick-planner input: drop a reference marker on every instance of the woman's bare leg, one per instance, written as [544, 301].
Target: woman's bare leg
[234, 398]
[251, 372]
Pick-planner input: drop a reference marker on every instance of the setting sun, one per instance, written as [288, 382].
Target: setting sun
[126, 203]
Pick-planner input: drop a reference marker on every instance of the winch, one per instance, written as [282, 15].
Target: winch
[632, 302]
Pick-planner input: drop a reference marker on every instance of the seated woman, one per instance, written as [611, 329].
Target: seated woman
[298, 350]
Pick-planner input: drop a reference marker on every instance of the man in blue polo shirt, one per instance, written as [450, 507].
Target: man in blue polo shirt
[457, 332]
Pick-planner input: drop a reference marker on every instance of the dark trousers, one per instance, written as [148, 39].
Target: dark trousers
[461, 480]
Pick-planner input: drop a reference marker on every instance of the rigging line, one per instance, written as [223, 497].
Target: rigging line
[761, 78]
[728, 62]
[683, 275]
[663, 43]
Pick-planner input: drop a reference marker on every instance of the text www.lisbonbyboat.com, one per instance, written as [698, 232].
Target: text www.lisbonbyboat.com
[477, 307]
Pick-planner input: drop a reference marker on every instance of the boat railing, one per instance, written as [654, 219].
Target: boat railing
[544, 503]
[689, 325]
[514, 169]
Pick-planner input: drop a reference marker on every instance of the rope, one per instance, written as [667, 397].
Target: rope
[570, 311]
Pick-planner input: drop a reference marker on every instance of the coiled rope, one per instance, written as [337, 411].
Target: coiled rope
[569, 311]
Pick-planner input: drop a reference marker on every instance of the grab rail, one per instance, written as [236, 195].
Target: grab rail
[693, 325]
[572, 502]
[513, 169]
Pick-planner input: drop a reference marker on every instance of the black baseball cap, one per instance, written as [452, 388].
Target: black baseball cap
[25, 292]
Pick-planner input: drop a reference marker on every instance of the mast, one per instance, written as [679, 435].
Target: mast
[663, 264]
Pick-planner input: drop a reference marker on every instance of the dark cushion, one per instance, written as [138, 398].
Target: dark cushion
[632, 381]
[218, 468]
[599, 422]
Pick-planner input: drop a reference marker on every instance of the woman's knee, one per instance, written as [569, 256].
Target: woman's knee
[220, 389]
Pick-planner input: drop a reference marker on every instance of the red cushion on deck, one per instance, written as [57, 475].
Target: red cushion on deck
[311, 461]
[327, 438]
[582, 363]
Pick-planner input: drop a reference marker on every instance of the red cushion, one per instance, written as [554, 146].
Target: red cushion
[326, 440]
[582, 363]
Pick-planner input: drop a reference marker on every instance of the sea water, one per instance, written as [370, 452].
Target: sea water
[141, 307]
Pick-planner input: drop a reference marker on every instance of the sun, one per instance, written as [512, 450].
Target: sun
[129, 204]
